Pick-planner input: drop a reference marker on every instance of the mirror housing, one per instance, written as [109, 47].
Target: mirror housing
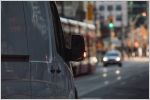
[77, 48]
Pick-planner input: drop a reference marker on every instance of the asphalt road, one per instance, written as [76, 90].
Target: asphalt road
[131, 81]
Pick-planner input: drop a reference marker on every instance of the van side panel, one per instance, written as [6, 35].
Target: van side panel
[15, 80]
[31, 65]
[38, 42]
[15, 70]
[13, 29]
[45, 81]
[37, 31]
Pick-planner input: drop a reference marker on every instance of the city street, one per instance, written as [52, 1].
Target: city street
[68, 49]
[131, 81]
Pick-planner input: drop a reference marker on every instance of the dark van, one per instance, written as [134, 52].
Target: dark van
[34, 60]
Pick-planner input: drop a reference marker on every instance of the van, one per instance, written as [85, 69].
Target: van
[34, 60]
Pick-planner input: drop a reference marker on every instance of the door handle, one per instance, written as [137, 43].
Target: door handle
[58, 71]
[52, 71]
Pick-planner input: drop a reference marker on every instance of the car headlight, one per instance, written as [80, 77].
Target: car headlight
[118, 59]
[105, 59]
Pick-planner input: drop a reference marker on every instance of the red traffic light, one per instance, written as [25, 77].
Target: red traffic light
[110, 19]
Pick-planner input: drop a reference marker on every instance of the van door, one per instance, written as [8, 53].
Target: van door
[40, 50]
[15, 69]
[47, 78]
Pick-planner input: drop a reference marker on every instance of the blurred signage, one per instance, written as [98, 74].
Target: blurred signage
[90, 12]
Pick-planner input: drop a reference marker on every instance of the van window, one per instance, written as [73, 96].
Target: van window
[39, 30]
[14, 40]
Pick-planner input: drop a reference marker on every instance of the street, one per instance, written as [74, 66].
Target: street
[68, 49]
[131, 81]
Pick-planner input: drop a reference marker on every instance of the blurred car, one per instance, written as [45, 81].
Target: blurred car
[112, 57]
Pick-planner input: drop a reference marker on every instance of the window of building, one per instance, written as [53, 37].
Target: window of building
[101, 17]
[118, 7]
[109, 7]
[38, 32]
[119, 18]
[101, 8]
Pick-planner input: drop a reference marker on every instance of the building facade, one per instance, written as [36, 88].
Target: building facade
[71, 9]
[118, 12]
[117, 9]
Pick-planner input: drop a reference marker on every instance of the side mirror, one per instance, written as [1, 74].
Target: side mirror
[77, 48]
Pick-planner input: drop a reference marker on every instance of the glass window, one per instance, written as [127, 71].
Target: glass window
[14, 40]
[112, 54]
[119, 18]
[67, 35]
[102, 17]
[118, 7]
[67, 3]
[101, 8]
[39, 30]
[110, 8]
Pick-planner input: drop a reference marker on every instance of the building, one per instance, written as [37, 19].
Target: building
[137, 8]
[71, 9]
[117, 9]
[118, 12]
[138, 32]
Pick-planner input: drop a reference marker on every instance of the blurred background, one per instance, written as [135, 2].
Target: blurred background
[105, 26]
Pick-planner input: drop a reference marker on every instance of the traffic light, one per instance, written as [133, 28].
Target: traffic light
[111, 25]
[110, 19]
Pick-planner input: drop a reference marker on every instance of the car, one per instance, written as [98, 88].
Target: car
[112, 57]
[35, 64]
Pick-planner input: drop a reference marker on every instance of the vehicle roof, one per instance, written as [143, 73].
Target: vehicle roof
[113, 51]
